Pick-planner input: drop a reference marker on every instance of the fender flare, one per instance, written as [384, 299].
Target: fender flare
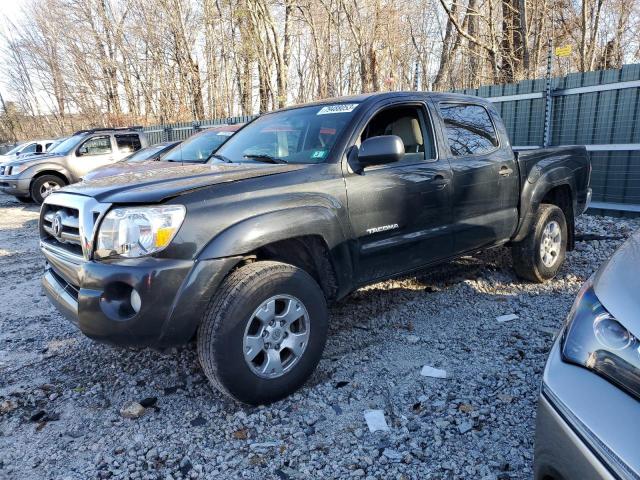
[52, 168]
[536, 186]
[255, 232]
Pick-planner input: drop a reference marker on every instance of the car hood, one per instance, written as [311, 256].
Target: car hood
[5, 159]
[13, 161]
[616, 284]
[165, 180]
[123, 168]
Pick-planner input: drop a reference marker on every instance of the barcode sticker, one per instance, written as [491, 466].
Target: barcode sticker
[338, 108]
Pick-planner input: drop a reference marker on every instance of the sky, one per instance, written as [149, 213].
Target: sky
[9, 9]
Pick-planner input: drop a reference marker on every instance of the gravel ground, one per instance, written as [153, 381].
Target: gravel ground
[61, 394]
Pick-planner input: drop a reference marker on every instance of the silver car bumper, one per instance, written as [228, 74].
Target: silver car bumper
[586, 427]
[13, 185]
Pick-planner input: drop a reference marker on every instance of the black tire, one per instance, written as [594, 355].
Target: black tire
[40, 182]
[528, 259]
[25, 199]
[231, 312]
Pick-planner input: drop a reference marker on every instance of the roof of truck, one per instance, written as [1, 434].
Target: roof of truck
[376, 96]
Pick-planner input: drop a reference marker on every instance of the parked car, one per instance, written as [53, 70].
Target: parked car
[26, 148]
[131, 162]
[196, 149]
[588, 419]
[49, 148]
[199, 147]
[34, 178]
[301, 207]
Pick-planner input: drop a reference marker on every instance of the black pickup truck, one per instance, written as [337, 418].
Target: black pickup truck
[299, 208]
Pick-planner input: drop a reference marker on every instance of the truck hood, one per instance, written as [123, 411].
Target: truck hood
[31, 158]
[122, 167]
[7, 159]
[616, 284]
[148, 185]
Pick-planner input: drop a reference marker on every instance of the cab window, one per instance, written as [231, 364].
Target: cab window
[32, 148]
[95, 146]
[469, 129]
[128, 143]
[408, 123]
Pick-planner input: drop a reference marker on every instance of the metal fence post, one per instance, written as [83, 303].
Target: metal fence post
[548, 100]
[167, 134]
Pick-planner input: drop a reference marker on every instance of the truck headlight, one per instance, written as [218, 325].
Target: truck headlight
[594, 339]
[138, 231]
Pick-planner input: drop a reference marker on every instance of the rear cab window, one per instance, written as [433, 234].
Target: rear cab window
[468, 128]
[128, 143]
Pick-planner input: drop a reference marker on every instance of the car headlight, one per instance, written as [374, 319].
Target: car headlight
[594, 339]
[138, 231]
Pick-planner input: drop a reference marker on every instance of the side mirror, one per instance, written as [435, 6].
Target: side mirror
[380, 150]
[84, 150]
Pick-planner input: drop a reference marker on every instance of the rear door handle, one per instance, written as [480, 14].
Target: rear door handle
[505, 171]
[440, 181]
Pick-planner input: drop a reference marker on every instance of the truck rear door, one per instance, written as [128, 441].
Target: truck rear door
[400, 212]
[485, 176]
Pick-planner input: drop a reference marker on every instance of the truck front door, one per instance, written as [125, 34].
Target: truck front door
[400, 212]
[94, 152]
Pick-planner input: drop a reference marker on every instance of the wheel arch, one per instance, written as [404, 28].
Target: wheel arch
[310, 238]
[557, 187]
[49, 171]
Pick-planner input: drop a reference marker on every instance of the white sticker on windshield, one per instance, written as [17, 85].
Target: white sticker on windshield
[339, 108]
[225, 134]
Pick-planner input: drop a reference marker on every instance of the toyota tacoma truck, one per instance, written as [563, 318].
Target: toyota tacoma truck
[299, 208]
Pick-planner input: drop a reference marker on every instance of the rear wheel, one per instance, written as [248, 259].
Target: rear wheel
[44, 186]
[263, 333]
[539, 256]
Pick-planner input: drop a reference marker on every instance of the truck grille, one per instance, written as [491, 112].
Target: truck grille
[67, 224]
[61, 226]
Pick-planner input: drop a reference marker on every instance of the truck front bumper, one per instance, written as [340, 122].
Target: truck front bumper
[142, 302]
[14, 185]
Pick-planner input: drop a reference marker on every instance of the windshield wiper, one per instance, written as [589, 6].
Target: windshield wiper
[263, 157]
[219, 157]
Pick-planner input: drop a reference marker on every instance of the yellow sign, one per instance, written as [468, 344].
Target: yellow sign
[563, 51]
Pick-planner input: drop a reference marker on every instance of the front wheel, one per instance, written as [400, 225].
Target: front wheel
[539, 256]
[44, 186]
[263, 332]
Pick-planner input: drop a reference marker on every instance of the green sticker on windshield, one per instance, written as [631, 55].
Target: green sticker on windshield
[318, 154]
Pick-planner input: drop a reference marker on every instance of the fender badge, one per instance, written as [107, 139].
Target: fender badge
[383, 228]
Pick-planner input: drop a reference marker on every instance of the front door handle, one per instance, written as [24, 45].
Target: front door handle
[440, 181]
[505, 171]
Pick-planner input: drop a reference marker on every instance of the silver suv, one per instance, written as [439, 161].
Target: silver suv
[34, 178]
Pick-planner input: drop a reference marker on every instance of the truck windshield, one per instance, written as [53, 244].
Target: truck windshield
[198, 148]
[15, 149]
[299, 135]
[69, 144]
